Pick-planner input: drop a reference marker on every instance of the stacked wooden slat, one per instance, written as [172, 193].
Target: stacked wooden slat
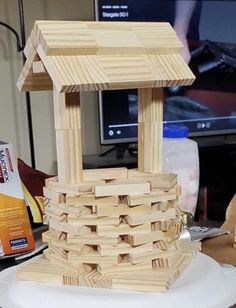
[90, 56]
[106, 224]
[103, 229]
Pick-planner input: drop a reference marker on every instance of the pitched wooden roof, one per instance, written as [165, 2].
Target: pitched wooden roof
[88, 56]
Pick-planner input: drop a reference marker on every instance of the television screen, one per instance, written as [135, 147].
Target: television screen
[207, 108]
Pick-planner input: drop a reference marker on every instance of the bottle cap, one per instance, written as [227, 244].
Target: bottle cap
[175, 131]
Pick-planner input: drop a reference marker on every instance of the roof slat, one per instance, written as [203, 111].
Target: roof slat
[91, 56]
[92, 73]
[80, 38]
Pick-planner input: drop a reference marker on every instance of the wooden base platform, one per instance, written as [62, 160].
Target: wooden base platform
[156, 280]
[118, 228]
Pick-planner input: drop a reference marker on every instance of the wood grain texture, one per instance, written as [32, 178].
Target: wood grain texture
[75, 37]
[91, 56]
[105, 225]
[100, 72]
[150, 117]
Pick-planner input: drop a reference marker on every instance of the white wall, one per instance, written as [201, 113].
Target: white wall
[13, 119]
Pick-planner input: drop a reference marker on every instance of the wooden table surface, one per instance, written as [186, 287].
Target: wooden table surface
[221, 248]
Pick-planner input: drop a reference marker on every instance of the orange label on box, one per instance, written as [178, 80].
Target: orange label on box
[15, 230]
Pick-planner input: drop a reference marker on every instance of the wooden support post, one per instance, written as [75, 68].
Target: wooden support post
[150, 121]
[68, 137]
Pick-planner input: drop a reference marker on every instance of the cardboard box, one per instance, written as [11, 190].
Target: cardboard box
[15, 229]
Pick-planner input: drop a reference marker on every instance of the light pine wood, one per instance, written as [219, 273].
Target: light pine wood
[123, 209]
[69, 156]
[94, 258]
[92, 239]
[124, 248]
[67, 209]
[95, 72]
[71, 37]
[105, 174]
[157, 180]
[41, 271]
[29, 81]
[108, 228]
[68, 137]
[92, 220]
[150, 116]
[123, 229]
[118, 188]
[91, 199]
[143, 280]
[53, 196]
[65, 227]
[137, 219]
[102, 56]
[38, 67]
[106, 269]
[153, 197]
[230, 216]
[67, 110]
[75, 190]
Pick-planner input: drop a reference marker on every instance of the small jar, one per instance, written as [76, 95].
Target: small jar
[180, 156]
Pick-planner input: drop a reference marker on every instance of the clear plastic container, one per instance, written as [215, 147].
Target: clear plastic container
[180, 156]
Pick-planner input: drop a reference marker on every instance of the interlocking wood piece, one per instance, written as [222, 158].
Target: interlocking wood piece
[70, 278]
[152, 197]
[151, 282]
[162, 206]
[91, 258]
[68, 209]
[94, 279]
[152, 55]
[105, 174]
[98, 37]
[137, 219]
[53, 196]
[92, 220]
[167, 243]
[72, 189]
[163, 181]
[65, 227]
[42, 271]
[143, 280]
[58, 251]
[105, 269]
[90, 199]
[123, 209]
[93, 239]
[58, 215]
[118, 188]
[63, 263]
[38, 67]
[154, 255]
[123, 248]
[123, 229]
[106, 223]
[68, 156]
[150, 116]
[142, 238]
[62, 243]
[29, 81]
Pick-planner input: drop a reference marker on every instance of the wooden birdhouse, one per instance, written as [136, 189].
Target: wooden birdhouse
[108, 222]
